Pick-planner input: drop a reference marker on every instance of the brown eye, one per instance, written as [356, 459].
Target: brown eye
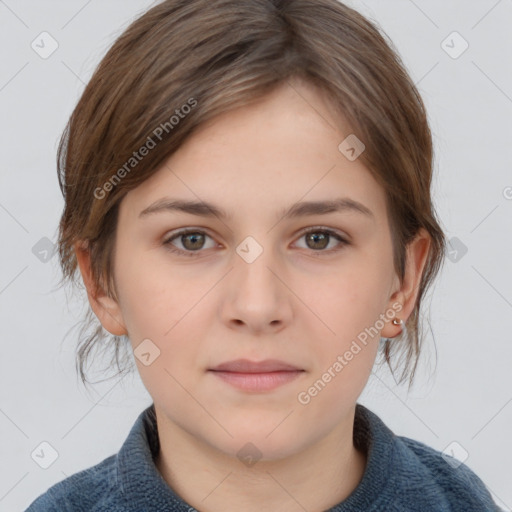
[319, 239]
[191, 242]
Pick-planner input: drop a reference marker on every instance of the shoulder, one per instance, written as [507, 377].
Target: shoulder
[92, 489]
[403, 474]
[442, 475]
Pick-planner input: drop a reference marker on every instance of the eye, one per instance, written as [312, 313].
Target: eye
[317, 239]
[193, 240]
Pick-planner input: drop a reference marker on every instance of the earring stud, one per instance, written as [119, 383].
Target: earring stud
[397, 321]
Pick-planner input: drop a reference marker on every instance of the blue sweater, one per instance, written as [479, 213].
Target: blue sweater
[401, 475]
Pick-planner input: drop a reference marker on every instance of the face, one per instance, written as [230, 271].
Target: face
[255, 282]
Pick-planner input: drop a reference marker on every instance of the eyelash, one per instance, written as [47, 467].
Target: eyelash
[319, 252]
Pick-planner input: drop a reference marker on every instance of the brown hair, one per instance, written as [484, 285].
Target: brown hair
[219, 55]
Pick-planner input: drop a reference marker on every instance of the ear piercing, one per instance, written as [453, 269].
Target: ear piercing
[397, 321]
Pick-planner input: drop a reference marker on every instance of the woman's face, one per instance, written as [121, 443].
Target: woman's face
[265, 277]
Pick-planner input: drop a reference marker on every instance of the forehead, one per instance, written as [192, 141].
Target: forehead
[279, 150]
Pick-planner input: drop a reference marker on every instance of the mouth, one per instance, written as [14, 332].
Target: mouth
[254, 376]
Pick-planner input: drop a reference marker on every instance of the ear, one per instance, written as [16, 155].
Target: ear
[403, 300]
[105, 308]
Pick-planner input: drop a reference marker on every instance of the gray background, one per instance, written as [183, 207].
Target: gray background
[466, 398]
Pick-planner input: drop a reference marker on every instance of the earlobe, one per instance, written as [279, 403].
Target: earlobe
[416, 258]
[106, 308]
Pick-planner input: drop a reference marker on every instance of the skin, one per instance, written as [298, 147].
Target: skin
[293, 302]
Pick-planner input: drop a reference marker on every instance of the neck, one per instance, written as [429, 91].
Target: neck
[315, 478]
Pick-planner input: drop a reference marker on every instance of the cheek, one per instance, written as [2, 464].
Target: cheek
[148, 294]
[352, 297]
[173, 326]
[345, 357]
[351, 306]
[160, 305]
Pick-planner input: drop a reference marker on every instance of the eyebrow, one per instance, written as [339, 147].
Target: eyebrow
[302, 209]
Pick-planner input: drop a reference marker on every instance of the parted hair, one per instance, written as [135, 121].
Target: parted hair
[215, 56]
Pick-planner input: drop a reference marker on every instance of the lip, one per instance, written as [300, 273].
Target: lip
[247, 366]
[256, 377]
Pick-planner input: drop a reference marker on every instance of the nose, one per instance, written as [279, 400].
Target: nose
[257, 299]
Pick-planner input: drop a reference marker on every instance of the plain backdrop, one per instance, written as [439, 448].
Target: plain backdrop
[463, 391]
